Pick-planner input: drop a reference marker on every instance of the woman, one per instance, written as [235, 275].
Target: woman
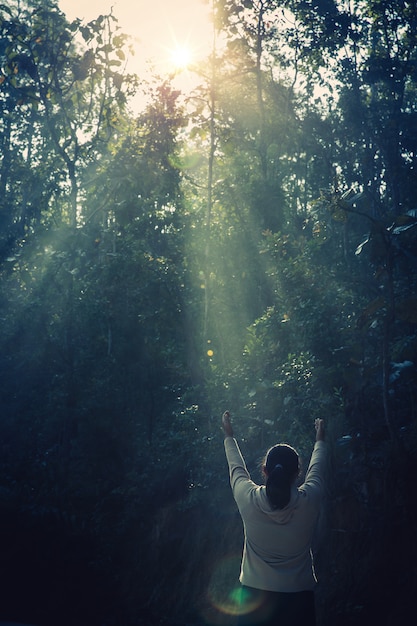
[277, 573]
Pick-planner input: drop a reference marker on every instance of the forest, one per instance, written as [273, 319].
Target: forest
[251, 246]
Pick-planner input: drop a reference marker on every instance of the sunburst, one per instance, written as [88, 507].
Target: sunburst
[181, 56]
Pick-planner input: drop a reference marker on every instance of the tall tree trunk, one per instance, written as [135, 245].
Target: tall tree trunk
[212, 149]
[260, 33]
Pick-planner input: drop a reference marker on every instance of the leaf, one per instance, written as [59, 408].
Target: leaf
[402, 229]
[403, 223]
[376, 241]
[117, 80]
[86, 33]
[361, 246]
[3, 7]
[370, 310]
[349, 197]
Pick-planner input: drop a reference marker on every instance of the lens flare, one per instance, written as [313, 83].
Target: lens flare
[226, 598]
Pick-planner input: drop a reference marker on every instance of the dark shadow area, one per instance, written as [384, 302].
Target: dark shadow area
[49, 575]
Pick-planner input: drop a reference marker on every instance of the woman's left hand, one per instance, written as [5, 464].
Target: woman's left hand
[227, 426]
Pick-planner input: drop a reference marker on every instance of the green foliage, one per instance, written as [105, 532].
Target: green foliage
[51, 88]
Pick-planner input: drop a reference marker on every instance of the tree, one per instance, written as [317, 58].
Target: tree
[51, 88]
[374, 45]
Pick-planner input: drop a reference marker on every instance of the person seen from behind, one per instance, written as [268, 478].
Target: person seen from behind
[279, 518]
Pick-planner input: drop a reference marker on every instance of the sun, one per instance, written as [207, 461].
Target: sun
[181, 56]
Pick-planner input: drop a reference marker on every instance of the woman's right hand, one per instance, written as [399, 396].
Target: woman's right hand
[227, 426]
[319, 424]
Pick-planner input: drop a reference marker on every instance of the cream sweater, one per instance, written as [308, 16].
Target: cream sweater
[277, 547]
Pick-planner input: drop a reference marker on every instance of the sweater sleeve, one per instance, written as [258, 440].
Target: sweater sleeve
[237, 466]
[315, 477]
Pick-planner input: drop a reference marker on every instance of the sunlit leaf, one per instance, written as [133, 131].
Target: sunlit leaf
[361, 246]
[372, 308]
